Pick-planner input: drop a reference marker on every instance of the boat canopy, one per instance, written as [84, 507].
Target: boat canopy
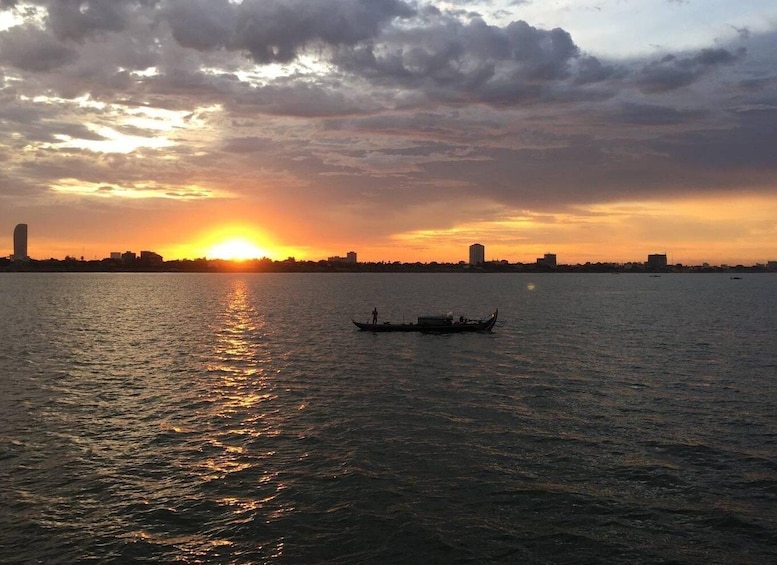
[435, 320]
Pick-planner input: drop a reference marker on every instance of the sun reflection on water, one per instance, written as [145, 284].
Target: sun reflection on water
[238, 336]
[243, 417]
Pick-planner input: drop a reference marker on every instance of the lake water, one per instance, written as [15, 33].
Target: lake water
[242, 418]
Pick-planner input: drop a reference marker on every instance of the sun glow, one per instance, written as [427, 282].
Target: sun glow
[237, 249]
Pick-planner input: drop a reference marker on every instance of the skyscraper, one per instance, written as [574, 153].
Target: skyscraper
[20, 243]
[477, 254]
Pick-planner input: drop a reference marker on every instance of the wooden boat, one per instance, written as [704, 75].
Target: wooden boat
[433, 324]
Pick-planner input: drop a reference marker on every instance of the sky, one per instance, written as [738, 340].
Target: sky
[599, 130]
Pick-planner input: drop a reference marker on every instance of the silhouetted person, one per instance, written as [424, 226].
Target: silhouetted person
[374, 315]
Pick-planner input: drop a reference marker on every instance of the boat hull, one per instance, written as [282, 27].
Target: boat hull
[450, 328]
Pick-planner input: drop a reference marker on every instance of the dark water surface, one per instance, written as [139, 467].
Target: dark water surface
[243, 419]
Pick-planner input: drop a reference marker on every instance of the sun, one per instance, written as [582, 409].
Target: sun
[237, 249]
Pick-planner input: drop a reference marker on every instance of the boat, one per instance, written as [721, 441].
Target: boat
[433, 324]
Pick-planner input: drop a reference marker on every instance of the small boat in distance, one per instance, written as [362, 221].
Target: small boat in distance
[433, 324]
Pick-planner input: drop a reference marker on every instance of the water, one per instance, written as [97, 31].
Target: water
[243, 419]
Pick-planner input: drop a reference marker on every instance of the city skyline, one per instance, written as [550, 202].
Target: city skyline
[597, 130]
[476, 256]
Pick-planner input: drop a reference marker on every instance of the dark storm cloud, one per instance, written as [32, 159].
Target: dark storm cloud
[472, 62]
[415, 104]
[672, 72]
[592, 70]
[202, 24]
[652, 114]
[420, 54]
[81, 19]
[747, 146]
[75, 19]
[276, 30]
[31, 49]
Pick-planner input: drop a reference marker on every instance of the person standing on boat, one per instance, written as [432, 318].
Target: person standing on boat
[375, 315]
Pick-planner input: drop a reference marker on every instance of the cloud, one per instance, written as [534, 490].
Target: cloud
[250, 144]
[347, 110]
[672, 72]
[653, 114]
[202, 24]
[31, 49]
[452, 61]
[276, 30]
[77, 20]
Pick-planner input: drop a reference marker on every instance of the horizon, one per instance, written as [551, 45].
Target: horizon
[343, 261]
[405, 129]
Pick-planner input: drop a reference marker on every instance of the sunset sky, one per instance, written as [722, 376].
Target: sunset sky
[594, 129]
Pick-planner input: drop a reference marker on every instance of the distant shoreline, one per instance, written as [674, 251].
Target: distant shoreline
[292, 266]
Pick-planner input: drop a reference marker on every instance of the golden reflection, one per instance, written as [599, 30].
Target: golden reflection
[242, 504]
[237, 345]
[242, 416]
[241, 383]
[218, 469]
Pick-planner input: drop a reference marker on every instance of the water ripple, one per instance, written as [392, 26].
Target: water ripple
[241, 419]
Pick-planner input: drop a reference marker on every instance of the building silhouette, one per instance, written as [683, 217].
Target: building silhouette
[548, 260]
[350, 257]
[150, 259]
[657, 261]
[20, 243]
[477, 254]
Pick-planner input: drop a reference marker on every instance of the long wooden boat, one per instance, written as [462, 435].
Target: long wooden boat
[433, 324]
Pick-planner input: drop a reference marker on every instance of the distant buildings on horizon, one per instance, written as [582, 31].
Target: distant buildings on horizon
[20, 243]
[350, 257]
[147, 258]
[477, 256]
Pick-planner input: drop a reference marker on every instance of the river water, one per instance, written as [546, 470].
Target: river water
[242, 418]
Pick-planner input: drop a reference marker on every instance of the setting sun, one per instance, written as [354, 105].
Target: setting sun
[236, 250]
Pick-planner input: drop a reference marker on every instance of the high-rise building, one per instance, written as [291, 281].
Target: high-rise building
[657, 261]
[20, 243]
[548, 260]
[477, 254]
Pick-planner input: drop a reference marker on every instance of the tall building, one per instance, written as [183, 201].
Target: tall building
[657, 261]
[150, 259]
[20, 243]
[548, 260]
[477, 254]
